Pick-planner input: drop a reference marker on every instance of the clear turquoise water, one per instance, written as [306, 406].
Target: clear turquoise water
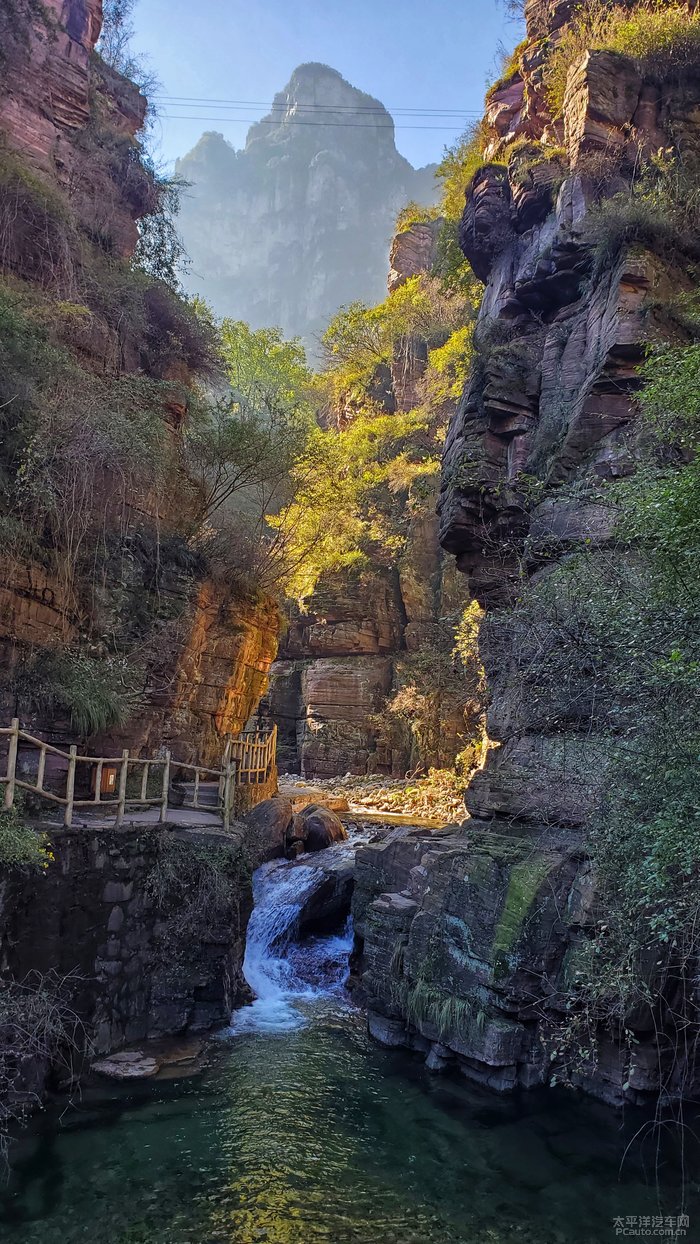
[317, 1134]
[302, 1129]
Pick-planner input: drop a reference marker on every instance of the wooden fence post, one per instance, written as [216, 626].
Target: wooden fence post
[163, 814]
[144, 780]
[123, 774]
[70, 787]
[228, 783]
[40, 771]
[225, 762]
[98, 780]
[12, 763]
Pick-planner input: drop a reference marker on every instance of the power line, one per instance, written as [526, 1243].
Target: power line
[199, 101]
[346, 125]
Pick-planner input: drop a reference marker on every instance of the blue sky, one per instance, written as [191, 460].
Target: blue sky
[420, 54]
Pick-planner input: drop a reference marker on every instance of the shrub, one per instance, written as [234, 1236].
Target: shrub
[434, 713]
[37, 1025]
[20, 845]
[455, 172]
[662, 38]
[449, 366]
[96, 445]
[160, 252]
[457, 168]
[349, 509]
[242, 447]
[607, 643]
[153, 322]
[660, 211]
[95, 693]
[414, 214]
[509, 69]
[38, 237]
[361, 339]
[196, 887]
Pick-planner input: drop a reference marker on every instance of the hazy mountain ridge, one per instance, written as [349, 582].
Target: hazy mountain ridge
[299, 221]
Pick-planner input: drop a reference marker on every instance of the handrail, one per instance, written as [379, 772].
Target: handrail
[248, 759]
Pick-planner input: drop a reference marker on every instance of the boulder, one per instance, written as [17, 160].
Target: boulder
[267, 828]
[317, 827]
[328, 905]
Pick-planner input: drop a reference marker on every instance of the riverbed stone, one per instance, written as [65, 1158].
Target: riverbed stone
[129, 1065]
[267, 828]
[317, 827]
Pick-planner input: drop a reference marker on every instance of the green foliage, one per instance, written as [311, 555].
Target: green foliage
[609, 642]
[20, 845]
[456, 170]
[659, 211]
[414, 214]
[435, 711]
[361, 341]
[246, 450]
[449, 366]
[95, 693]
[663, 38]
[457, 167]
[452, 1016]
[160, 252]
[509, 70]
[116, 34]
[39, 239]
[351, 489]
[197, 888]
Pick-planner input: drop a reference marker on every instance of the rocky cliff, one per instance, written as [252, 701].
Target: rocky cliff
[98, 543]
[298, 222]
[471, 944]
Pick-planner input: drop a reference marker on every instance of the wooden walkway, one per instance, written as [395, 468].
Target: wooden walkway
[152, 789]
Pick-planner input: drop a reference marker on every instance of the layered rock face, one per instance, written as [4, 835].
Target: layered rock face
[140, 971]
[468, 942]
[298, 223]
[46, 98]
[551, 400]
[68, 138]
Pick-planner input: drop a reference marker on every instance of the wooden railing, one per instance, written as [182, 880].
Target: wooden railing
[255, 750]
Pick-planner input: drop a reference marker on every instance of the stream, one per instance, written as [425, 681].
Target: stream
[302, 1129]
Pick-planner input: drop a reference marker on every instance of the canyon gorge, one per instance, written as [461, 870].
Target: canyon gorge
[451, 546]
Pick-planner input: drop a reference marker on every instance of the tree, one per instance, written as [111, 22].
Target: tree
[243, 444]
[116, 34]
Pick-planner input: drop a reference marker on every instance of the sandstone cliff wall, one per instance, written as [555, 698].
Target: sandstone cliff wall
[69, 128]
[468, 943]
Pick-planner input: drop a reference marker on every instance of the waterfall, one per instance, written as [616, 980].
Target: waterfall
[287, 978]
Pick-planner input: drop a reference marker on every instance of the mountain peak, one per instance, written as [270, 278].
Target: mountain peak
[318, 94]
[298, 222]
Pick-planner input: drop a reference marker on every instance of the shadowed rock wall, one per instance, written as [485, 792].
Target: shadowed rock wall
[468, 941]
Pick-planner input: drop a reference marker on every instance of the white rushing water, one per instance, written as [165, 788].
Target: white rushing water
[286, 977]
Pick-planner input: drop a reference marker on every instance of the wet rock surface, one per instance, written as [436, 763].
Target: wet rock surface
[465, 950]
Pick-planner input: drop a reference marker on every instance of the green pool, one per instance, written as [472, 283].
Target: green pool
[302, 1129]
